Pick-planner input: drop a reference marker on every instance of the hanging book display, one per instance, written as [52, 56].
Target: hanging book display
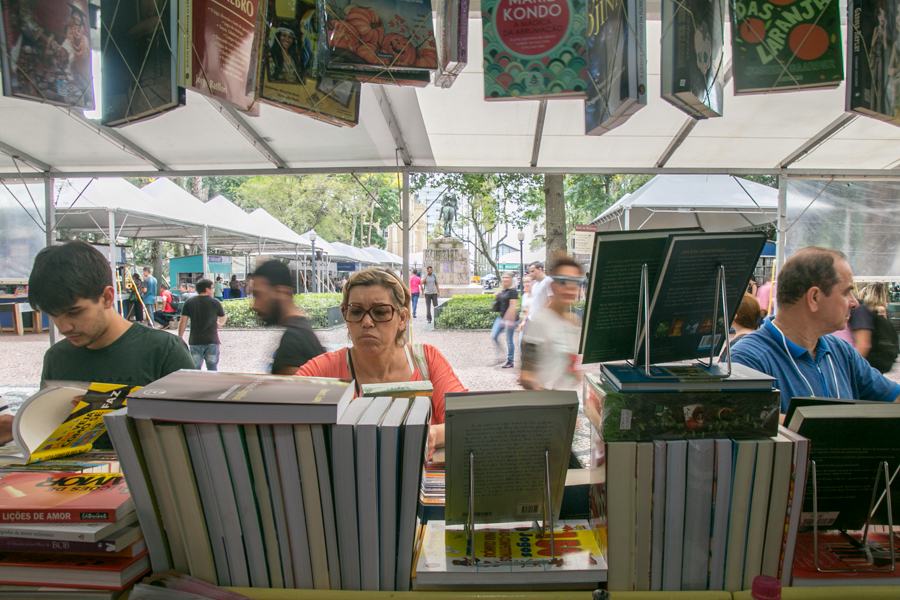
[292, 76]
[138, 50]
[693, 58]
[534, 50]
[381, 41]
[223, 47]
[873, 59]
[45, 52]
[777, 46]
[452, 23]
[617, 64]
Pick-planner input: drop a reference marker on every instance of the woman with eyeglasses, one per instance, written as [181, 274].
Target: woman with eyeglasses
[550, 358]
[376, 308]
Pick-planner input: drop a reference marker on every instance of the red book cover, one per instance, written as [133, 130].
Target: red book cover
[113, 573]
[840, 551]
[36, 498]
[224, 53]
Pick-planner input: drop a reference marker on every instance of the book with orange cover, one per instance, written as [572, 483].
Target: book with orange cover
[114, 573]
[841, 551]
[34, 498]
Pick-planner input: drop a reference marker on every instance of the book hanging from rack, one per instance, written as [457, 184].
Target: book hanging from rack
[693, 58]
[45, 52]
[534, 51]
[873, 59]
[617, 64]
[292, 75]
[776, 46]
[139, 59]
[385, 41]
[452, 25]
[219, 50]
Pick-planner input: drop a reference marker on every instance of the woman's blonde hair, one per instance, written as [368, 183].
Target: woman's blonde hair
[399, 291]
[874, 295]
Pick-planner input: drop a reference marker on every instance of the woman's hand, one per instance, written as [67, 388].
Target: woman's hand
[435, 440]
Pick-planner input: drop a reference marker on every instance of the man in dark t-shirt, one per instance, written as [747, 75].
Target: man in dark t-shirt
[206, 315]
[273, 301]
[73, 284]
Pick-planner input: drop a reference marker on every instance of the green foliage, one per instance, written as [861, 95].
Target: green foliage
[589, 195]
[315, 306]
[467, 312]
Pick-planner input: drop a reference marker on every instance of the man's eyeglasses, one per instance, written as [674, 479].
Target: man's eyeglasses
[565, 280]
[380, 313]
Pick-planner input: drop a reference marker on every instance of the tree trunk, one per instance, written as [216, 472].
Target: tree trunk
[555, 210]
[156, 259]
[198, 190]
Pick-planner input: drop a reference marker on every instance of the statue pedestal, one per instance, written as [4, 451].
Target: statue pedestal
[449, 258]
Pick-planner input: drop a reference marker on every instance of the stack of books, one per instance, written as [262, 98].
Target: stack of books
[69, 534]
[269, 481]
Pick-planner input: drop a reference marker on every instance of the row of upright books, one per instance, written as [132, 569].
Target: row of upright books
[268, 481]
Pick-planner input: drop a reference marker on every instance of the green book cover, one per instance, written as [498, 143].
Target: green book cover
[785, 44]
[534, 48]
[646, 416]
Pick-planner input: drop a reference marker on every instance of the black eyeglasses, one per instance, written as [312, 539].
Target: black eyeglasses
[380, 313]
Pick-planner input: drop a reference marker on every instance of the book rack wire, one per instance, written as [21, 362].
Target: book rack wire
[642, 329]
[881, 473]
[548, 510]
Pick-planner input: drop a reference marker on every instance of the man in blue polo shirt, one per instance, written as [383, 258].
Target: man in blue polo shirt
[815, 296]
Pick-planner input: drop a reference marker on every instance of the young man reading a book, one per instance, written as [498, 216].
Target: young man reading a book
[815, 296]
[73, 284]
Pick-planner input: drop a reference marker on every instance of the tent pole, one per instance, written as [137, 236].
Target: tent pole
[50, 231]
[781, 226]
[112, 257]
[297, 266]
[205, 250]
[404, 215]
[627, 219]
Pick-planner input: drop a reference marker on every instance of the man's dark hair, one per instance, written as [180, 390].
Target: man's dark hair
[536, 264]
[63, 274]
[810, 267]
[275, 272]
[563, 260]
[148, 270]
[203, 285]
[218, 278]
[428, 267]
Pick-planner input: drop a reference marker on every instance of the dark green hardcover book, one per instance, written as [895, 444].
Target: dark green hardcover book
[778, 45]
[534, 49]
[138, 43]
[873, 59]
[646, 416]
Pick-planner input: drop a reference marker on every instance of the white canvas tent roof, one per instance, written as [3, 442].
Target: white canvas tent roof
[712, 202]
[383, 256]
[805, 132]
[353, 253]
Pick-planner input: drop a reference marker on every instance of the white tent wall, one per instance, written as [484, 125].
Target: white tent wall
[21, 228]
[859, 218]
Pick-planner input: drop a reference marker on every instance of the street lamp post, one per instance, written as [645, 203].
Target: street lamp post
[521, 237]
[315, 283]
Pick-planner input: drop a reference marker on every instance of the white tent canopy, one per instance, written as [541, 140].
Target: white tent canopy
[711, 202]
[352, 253]
[383, 256]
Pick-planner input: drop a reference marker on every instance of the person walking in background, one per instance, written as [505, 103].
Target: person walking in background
[273, 301]
[766, 297]
[873, 335]
[540, 288]
[526, 305]
[206, 315]
[234, 287]
[149, 291]
[431, 291]
[167, 313]
[506, 304]
[219, 289]
[550, 357]
[415, 283]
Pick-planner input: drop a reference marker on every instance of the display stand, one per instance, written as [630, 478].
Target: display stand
[548, 510]
[865, 549]
[642, 330]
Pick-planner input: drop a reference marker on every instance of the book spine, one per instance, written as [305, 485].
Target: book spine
[31, 545]
[57, 515]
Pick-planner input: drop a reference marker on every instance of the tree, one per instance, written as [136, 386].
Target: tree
[589, 195]
[556, 214]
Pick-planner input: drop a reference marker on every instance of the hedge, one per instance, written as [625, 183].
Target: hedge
[316, 306]
[467, 311]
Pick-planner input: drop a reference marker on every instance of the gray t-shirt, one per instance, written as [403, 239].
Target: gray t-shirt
[430, 283]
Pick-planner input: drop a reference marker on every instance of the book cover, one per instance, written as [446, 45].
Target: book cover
[224, 47]
[534, 49]
[799, 471]
[658, 514]
[510, 555]
[414, 436]
[513, 436]
[759, 510]
[399, 389]
[744, 463]
[366, 443]
[643, 500]
[45, 52]
[279, 510]
[843, 551]
[698, 514]
[685, 377]
[645, 416]
[681, 308]
[616, 57]
[128, 542]
[67, 532]
[388, 489]
[783, 46]
[63, 498]
[873, 59]
[379, 36]
[263, 491]
[693, 58]
[674, 537]
[241, 398]
[112, 573]
[621, 487]
[721, 506]
[138, 42]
